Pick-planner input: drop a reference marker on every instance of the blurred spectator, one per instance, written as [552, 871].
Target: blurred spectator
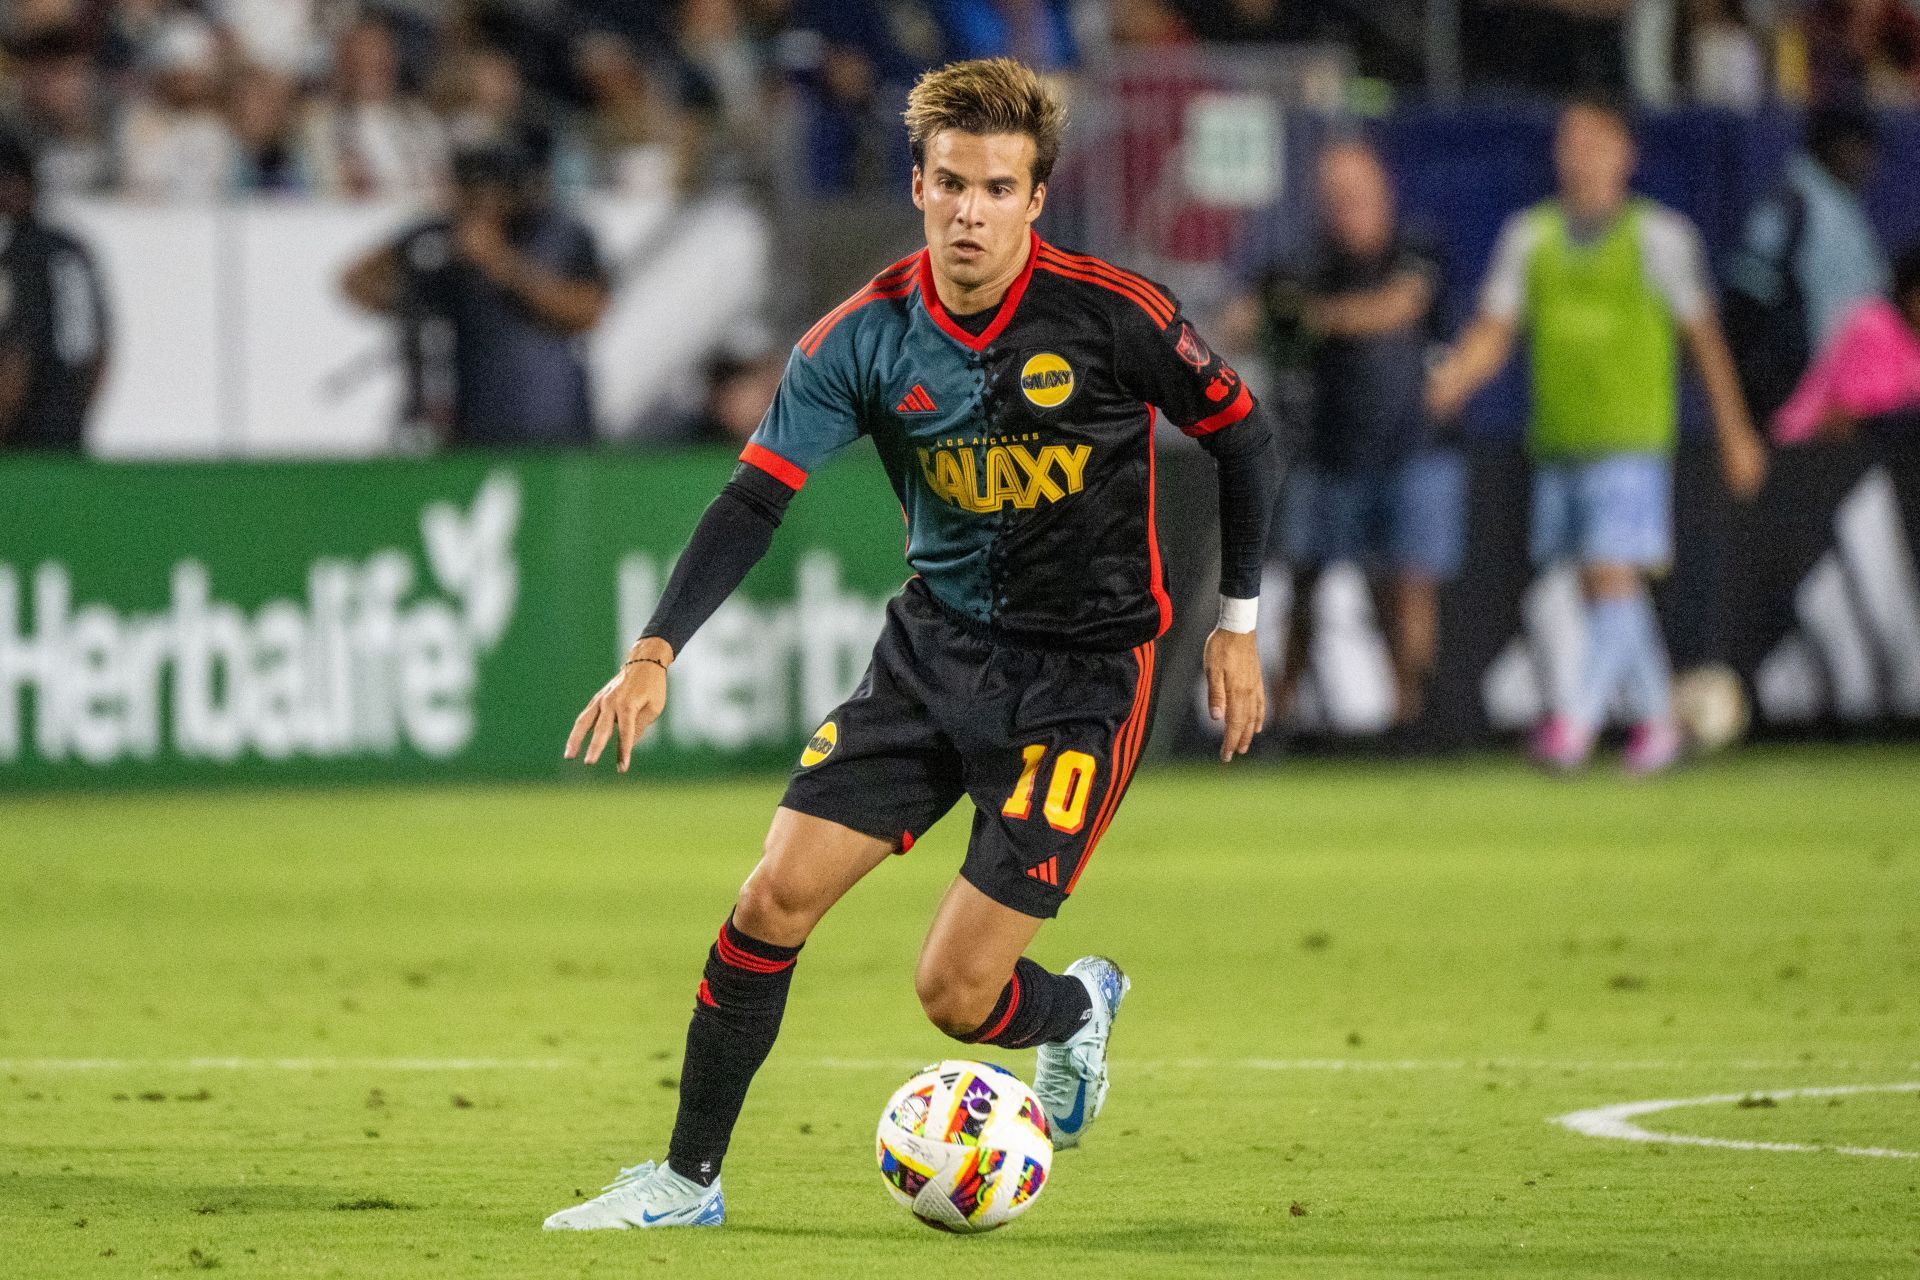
[282, 36]
[1037, 32]
[1375, 488]
[853, 61]
[53, 344]
[492, 299]
[62, 113]
[482, 97]
[1727, 64]
[720, 45]
[1870, 369]
[1807, 257]
[1137, 23]
[1861, 51]
[1547, 46]
[739, 390]
[365, 139]
[174, 142]
[637, 141]
[1606, 285]
[261, 109]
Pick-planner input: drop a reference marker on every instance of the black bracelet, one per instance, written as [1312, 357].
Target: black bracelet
[655, 661]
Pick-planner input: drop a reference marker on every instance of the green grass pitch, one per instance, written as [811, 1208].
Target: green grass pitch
[1362, 993]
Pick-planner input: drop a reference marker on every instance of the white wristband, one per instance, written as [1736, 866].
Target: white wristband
[1238, 615]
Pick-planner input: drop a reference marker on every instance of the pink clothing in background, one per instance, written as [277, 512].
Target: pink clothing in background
[1871, 367]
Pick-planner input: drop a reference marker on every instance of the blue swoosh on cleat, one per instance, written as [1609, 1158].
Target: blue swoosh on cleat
[1070, 1123]
[650, 1219]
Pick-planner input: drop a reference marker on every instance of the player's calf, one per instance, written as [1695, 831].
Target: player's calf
[1032, 1007]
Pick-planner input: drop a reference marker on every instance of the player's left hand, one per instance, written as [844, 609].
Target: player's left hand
[1236, 689]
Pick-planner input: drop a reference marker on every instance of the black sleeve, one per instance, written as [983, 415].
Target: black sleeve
[1249, 481]
[731, 537]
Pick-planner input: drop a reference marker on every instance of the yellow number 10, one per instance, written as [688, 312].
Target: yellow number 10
[1067, 793]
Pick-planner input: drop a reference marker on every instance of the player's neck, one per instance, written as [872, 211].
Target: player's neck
[964, 300]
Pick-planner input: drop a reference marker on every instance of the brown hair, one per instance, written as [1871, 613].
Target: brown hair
[988, 95]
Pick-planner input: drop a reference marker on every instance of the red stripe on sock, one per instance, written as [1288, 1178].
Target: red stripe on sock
[738, 958]
[1013, 1002]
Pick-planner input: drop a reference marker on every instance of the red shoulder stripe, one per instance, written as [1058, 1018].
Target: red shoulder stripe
[757, 455]
[1161, 319]
[1099, 267]
[891, 283]
[1157, 301]
[1088, 262]
[810, 343]
[1156, 313]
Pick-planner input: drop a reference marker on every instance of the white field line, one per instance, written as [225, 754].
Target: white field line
[607, 1062]
[1616, 1121]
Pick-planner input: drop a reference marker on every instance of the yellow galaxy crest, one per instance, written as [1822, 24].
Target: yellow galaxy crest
[821, 744]
[1046, 380]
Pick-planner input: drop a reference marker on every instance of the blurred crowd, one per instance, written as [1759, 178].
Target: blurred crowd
[200, 99]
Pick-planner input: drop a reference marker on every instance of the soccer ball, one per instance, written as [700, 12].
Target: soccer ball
[964, 1146]
[1711, 705]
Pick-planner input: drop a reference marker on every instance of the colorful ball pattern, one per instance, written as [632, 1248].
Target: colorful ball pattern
[964, 1146]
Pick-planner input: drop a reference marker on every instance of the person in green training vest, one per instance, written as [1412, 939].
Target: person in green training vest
[1607, 286]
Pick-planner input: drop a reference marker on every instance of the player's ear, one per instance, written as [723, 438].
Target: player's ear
[1036, 202]
[919, 189]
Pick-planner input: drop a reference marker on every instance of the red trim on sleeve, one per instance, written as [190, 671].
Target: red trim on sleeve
[773, 464]
[1242, 406]
[930, 299]
[1156, 578]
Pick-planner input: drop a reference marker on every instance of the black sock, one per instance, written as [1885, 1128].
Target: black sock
[1036, 1007]
[742, 995]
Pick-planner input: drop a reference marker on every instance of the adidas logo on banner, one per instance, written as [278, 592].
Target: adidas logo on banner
[1856, 654]
[917, 401]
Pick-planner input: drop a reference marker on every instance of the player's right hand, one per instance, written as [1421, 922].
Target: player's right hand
[626, 704]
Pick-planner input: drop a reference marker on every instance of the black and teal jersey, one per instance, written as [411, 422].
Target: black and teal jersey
[1023, 454]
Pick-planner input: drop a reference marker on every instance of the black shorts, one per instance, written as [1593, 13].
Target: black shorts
[1043, 741]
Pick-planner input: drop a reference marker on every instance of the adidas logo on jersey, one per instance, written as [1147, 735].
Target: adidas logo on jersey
[917, 401]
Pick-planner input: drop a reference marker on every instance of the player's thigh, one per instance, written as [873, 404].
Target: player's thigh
[1626, 511]
[1429, 515]
[970, 950]
[809, 864]
[1044, 796]
[1554, 524]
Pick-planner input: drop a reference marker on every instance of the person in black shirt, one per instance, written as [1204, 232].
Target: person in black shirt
[493, 300]
[53, 347]
[1376, 487]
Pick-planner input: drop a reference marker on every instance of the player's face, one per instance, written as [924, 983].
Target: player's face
[977, 195]
[1595, 158]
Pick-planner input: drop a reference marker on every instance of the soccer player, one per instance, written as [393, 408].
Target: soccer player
[1011, 389]
[1606, 284]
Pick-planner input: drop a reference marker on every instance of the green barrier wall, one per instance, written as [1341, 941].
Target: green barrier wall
[441, 618]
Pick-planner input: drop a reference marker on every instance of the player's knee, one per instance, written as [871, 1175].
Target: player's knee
[957, 1007]
[773, 912]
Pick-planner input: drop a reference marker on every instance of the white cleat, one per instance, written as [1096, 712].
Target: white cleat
[647, 1195]
[1071, 1077]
